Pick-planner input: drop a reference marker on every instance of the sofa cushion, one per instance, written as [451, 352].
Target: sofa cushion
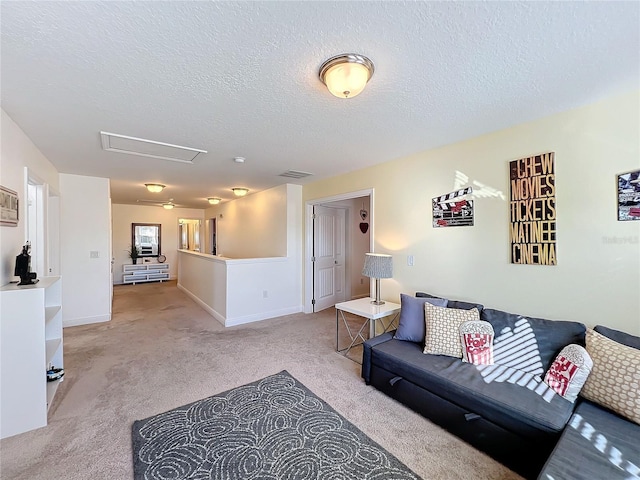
[618, 336]
[454, 303]
[528, 343]
[615, 378]
[596, 444]
[411, 323]
[442, 325]
[569, 371]
[516, 401]
[476, 338]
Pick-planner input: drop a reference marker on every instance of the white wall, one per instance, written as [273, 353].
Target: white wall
[253, 226]
[294, 239]
[125, 215]
[204, 278]
[85, 227]
[17, 151]
[597, 279]
[237, 291]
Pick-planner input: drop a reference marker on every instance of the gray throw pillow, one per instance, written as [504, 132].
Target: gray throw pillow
[411, 327]
[618, 336]
[454, 303]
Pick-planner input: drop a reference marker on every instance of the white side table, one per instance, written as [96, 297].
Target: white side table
[363, 307]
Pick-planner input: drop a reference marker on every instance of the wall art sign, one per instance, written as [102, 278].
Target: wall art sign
[8, 207]
[452, 209]
[532, 208]
[629, 196]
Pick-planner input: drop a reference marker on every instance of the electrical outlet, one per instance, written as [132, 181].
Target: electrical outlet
[94, 254]
[410, 260]
[265, 294]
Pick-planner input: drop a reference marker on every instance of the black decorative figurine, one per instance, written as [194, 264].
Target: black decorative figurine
[23, 267]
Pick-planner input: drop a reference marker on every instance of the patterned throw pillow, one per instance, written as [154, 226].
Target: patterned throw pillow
[477, 342]
[615, 378]
[442, 329]
[569, 371]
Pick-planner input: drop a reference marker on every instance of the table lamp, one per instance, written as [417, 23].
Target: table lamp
[377, 265]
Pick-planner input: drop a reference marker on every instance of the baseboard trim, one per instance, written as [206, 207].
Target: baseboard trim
[204, 306]
[232, 322]
[74, 322]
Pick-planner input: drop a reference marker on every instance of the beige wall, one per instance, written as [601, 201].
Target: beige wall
[254, 226]
[124, 215]
[597, 279]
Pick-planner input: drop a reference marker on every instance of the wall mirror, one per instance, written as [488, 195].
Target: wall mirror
[189, 231]
[147, 237]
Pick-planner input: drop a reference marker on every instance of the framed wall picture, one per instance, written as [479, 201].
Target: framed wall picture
[629, 196]
[532, 209]
[453, 209]
[8, 207]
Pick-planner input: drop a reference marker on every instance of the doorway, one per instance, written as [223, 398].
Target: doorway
[213, 246]
[339, 232]
[35, 225]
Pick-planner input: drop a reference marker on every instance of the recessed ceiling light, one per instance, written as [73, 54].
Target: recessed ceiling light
[214, 200]
[240, 191]
[239, 159]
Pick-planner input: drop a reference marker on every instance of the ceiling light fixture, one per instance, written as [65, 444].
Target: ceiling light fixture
[239, 159]
[154, 187]
[214, 200]
[346, 75]
[239, 191]
[167, 206]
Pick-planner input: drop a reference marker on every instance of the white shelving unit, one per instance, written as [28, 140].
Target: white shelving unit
[30, 341]
[147, 272]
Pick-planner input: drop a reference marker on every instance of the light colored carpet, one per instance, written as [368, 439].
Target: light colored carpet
[161, 351]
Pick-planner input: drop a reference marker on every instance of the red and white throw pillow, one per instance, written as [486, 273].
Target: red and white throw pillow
[569, 371]
[477, 342]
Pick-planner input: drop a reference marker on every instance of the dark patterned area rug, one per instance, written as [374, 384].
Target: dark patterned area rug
[271, 429]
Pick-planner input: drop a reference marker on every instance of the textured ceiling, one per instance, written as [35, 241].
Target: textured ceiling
[240, 79]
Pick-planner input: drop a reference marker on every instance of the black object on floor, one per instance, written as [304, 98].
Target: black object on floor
[54, 374]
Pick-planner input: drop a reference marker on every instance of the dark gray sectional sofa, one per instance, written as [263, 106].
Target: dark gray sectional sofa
[597, 443]
[506, 410]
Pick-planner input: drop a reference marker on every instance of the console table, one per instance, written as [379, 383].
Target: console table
[363, 307]
[146, 272]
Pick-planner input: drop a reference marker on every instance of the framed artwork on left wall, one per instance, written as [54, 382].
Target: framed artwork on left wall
[8, 207]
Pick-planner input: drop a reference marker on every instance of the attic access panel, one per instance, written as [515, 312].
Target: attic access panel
[113, 142]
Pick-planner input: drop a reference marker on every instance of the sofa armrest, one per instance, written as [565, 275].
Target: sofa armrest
[366, 352]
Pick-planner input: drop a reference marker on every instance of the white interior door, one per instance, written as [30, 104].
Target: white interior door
[329, 257]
